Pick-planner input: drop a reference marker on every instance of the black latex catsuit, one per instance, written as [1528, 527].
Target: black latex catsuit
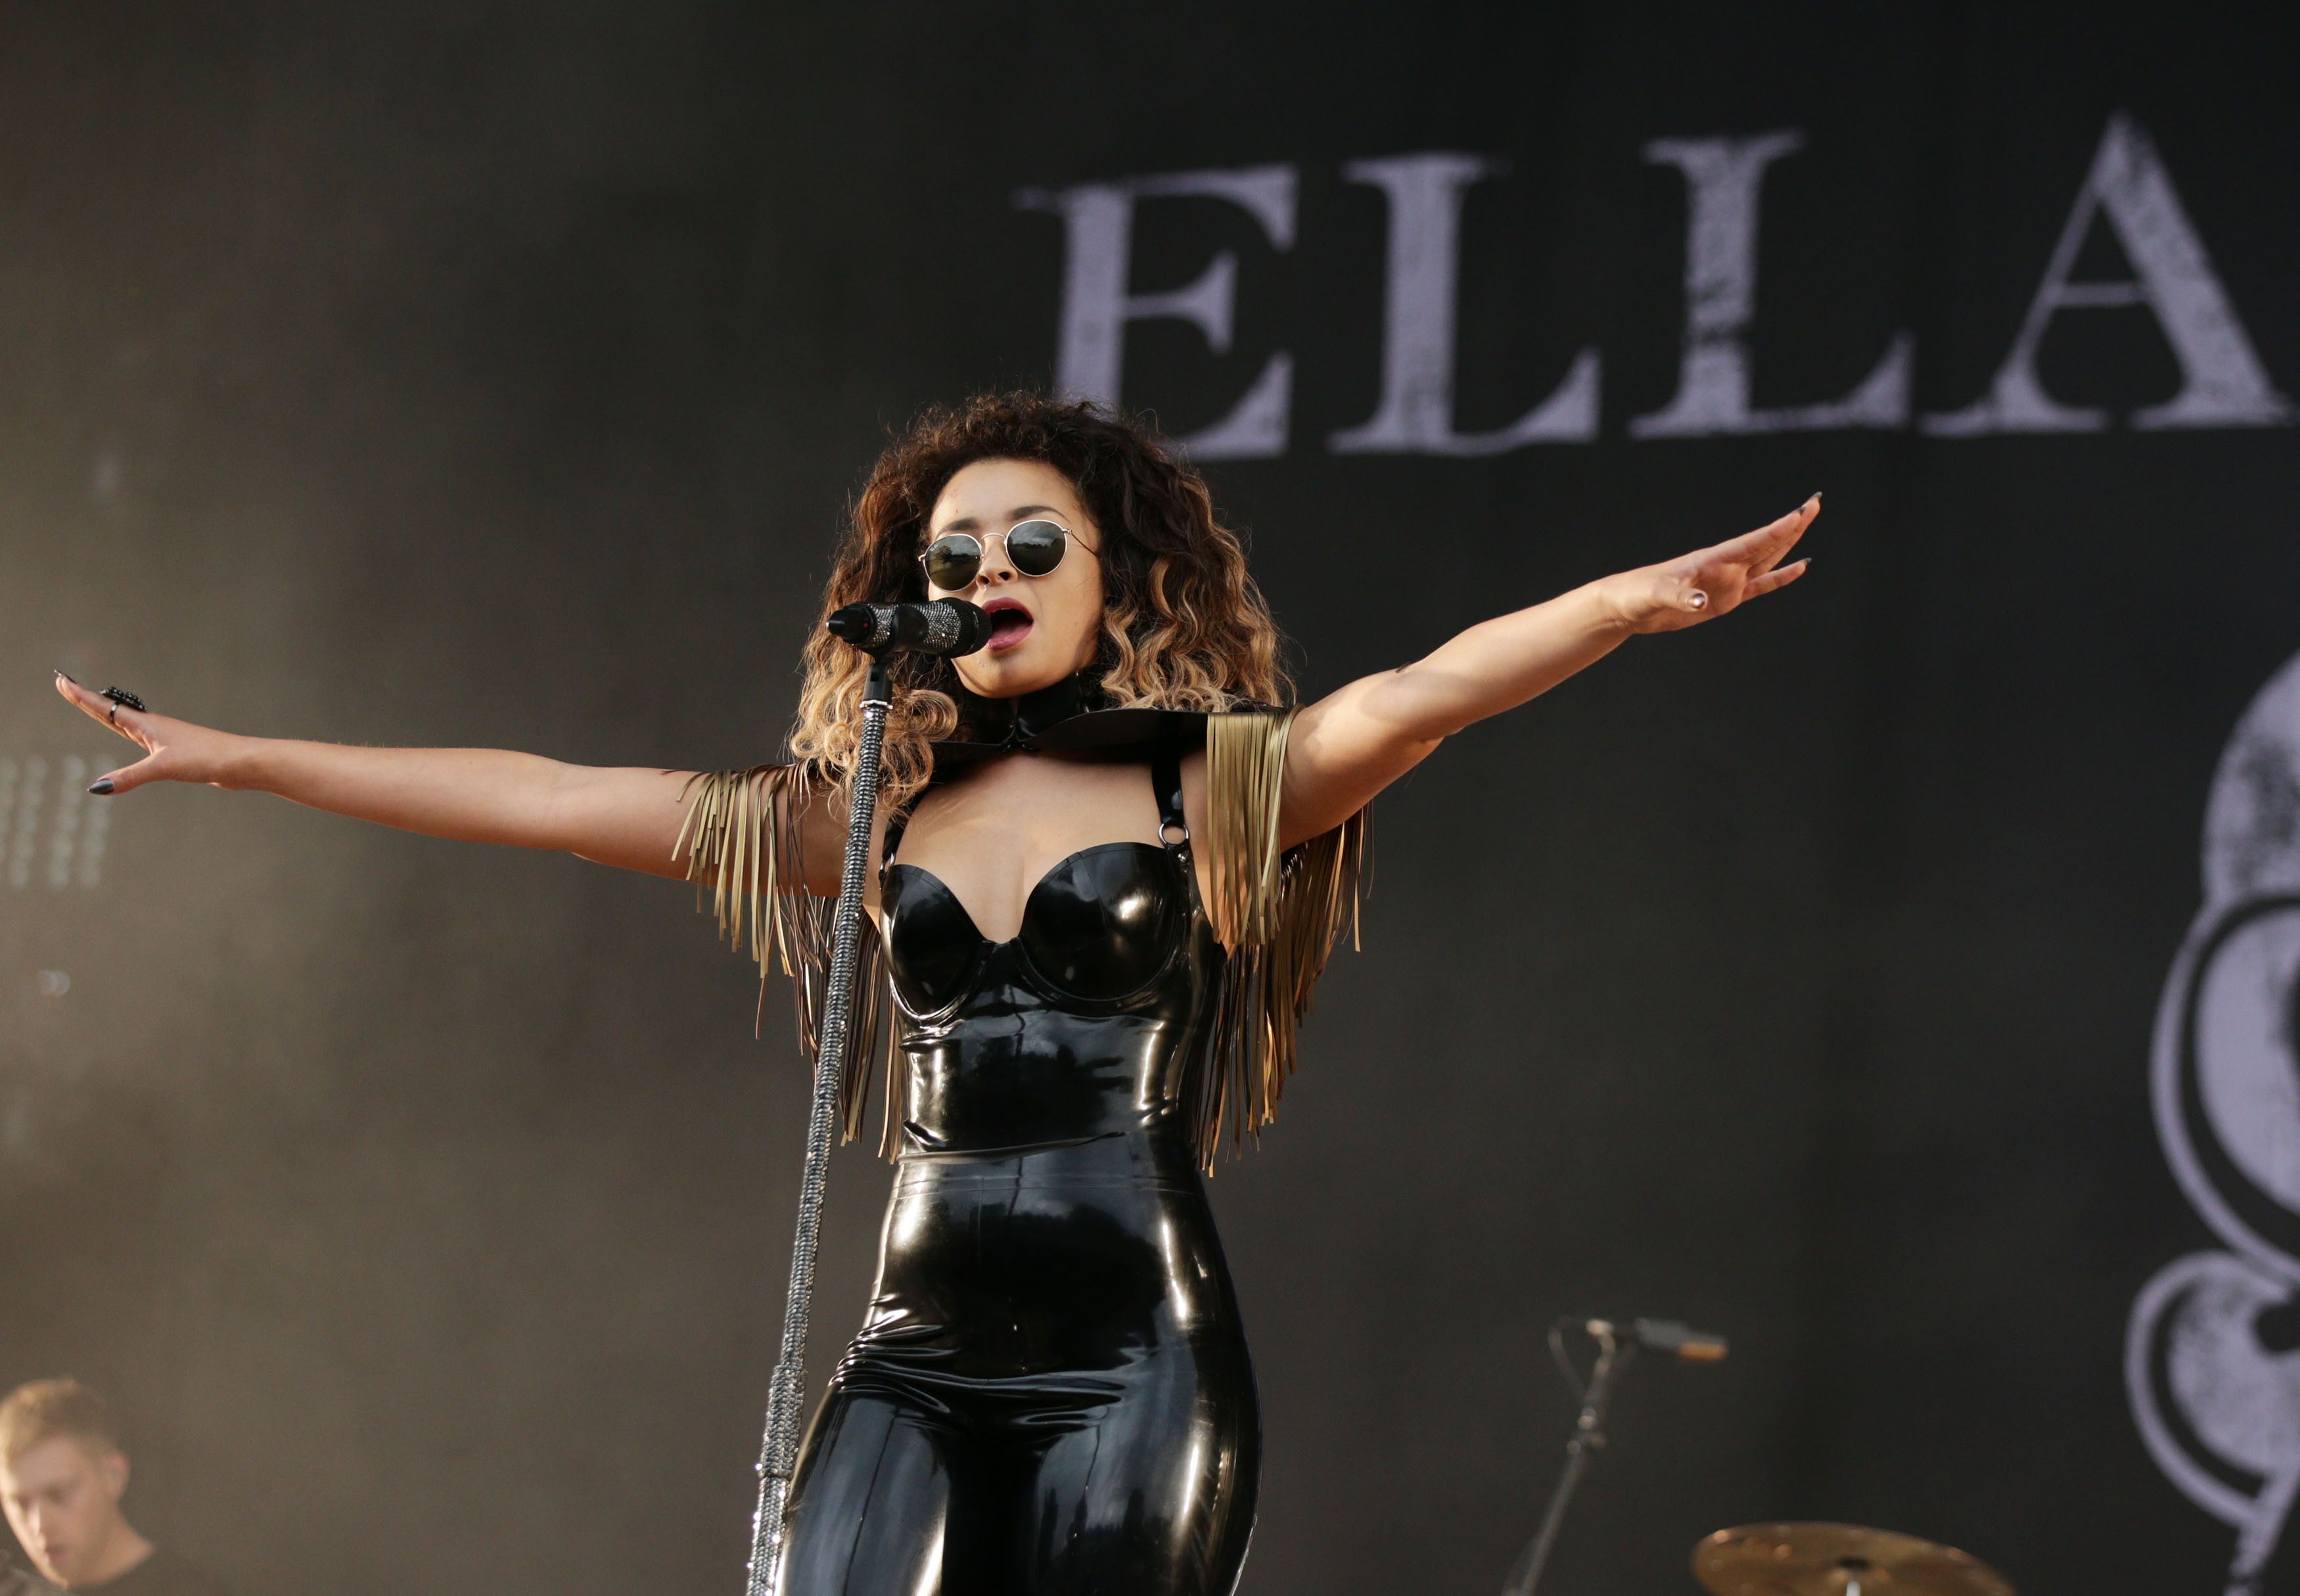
[1051, 1392]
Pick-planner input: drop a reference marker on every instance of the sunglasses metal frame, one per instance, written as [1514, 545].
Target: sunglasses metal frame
[982, 548]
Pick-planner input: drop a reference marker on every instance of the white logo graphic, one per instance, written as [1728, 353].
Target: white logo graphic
[2212, 1352]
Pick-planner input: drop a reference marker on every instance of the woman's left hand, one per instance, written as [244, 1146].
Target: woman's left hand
[1358, 739]
[1709, 582]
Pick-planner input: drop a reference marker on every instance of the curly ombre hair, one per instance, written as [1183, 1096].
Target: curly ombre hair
[1183, 626]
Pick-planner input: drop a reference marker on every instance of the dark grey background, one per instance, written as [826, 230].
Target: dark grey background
[495, 374]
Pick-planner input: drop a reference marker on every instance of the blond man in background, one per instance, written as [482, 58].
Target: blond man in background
[62, 1474]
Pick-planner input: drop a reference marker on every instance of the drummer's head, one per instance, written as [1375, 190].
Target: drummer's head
[1087, 530]
[61, 1473]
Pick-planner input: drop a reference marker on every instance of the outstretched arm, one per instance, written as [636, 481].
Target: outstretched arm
[1355, 742]
[628, 817]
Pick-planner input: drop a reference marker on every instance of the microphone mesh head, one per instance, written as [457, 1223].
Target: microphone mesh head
[942, 628]
[970, 627]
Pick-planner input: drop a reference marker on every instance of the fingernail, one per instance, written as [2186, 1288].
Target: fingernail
[1815, 499]
[102, 789]
[67, 678]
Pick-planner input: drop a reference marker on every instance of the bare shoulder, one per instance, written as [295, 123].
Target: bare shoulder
[1194, 790]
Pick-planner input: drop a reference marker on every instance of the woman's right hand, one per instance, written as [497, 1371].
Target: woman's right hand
[173, 750]
[629, 818]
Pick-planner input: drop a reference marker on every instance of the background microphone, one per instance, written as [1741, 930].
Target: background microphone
[946, 626]
[1663, 1335]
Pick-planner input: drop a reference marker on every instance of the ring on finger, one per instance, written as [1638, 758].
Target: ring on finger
[121, 699]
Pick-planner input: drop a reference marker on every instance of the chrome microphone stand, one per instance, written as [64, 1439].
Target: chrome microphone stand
[948, 628]
[779, 1454]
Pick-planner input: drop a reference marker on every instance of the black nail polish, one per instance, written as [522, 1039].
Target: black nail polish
[102, 789]
[74, 682]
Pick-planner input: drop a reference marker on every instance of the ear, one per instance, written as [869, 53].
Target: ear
[112, 1468]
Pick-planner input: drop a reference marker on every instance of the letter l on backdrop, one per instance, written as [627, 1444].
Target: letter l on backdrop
[1723, 177]
[1415, 415]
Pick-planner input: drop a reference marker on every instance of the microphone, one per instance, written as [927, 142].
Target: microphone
[947, 626]
[1663, 1335]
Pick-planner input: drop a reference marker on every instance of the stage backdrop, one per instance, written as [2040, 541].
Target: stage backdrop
[1897, 978]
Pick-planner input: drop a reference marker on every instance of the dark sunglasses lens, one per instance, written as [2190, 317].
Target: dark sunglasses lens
[1036, 547]
[952, 561]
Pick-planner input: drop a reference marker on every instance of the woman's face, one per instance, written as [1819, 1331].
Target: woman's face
[1047, 628]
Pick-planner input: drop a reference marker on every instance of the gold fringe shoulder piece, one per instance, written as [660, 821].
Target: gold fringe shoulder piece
[741, 841]
[1277, 916]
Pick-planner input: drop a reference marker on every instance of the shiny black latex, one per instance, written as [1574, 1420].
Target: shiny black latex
[1050, 1393]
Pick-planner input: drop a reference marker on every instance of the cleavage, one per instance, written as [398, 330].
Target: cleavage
[977, 823]
[1099, 927]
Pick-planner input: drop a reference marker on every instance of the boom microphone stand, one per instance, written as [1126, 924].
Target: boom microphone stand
[1617, 1344]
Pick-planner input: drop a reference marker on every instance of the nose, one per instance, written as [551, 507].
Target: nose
[996, 569]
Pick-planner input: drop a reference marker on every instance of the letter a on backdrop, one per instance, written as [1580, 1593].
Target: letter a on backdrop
[2223, 383]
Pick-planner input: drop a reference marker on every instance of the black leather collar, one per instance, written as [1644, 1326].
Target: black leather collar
[1070, 717]
[1012, 724]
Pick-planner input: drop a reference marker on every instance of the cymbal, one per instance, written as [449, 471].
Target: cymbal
[1838, 1559]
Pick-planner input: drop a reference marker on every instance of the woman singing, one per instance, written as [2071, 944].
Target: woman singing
[1109, 869]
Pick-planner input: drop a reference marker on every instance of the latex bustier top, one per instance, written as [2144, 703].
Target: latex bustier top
[1121, 992]
[1080, 1025]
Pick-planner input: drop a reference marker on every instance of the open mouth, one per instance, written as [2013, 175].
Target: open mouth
[1010, 623]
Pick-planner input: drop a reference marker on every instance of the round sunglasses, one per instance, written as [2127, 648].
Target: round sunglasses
[1034, 548]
